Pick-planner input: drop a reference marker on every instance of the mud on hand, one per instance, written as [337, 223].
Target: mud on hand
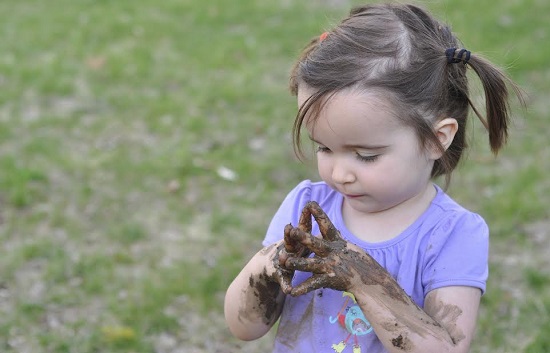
[291, 248]
[336, 264]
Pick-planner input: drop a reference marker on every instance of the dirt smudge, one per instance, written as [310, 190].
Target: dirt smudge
[447, 315]
[268, 297]
[371, 273]
[402, 343]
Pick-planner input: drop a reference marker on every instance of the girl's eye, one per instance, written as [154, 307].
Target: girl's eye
[323, 149]
[367, 158]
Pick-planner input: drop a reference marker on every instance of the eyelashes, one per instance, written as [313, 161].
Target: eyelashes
[323, 149]
[367, 158]
[360, 157]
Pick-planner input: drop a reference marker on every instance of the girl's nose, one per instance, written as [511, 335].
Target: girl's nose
[342, 173]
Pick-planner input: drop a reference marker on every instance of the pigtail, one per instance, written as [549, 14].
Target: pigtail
[495, 86]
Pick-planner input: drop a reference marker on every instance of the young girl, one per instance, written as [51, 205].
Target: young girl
[398, 266]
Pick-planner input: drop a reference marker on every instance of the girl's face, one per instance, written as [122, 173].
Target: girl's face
[365, 153]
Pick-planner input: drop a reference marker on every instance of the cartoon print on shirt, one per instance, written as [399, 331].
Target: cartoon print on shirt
[354, 321]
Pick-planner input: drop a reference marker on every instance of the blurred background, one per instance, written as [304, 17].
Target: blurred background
[145, 145]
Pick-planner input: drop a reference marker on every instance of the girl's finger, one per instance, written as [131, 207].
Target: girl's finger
[310, 284]
[311, 264]
[292, 246]
[289, 244]
[284, 278]
[328, 230]
[313, 243]
[305, 223]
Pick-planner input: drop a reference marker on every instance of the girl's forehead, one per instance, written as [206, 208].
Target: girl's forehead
[350, 109]
[378, 99]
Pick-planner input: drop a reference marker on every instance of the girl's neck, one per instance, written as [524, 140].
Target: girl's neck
[385, 225]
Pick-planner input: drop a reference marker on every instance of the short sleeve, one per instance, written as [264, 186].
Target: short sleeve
[288, 212]
[457, 253]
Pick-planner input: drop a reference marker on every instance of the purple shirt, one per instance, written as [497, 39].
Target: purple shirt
[446, 246]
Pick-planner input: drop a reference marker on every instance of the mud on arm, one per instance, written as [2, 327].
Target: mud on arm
[254, 300]
[398, 322]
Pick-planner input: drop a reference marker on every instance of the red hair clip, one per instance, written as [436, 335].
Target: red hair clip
[323, 36]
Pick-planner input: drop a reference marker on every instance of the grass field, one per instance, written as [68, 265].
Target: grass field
[144, 146]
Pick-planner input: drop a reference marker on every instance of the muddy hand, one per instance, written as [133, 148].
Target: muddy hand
[280, 274]
[292, 247]
[337, 264]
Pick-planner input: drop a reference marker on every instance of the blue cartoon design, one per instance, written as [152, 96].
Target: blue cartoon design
[354, 321]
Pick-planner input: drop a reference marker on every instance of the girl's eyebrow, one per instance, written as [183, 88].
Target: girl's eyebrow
[366, 147]
[351, 146]
[312, 139]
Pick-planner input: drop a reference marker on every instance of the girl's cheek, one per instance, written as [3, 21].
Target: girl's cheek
[324, 168]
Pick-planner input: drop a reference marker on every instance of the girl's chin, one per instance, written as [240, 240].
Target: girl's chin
[361, 204]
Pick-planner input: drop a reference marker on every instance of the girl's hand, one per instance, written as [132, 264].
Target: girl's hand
[337, 264]
[290, 248]
[274, 270]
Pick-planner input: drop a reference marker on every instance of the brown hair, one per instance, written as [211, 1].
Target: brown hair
[400, 51]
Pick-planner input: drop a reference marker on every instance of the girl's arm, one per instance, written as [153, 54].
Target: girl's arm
[254, 300]
[446, 324]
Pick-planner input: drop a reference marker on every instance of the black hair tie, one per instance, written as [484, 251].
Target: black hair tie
[454, 58]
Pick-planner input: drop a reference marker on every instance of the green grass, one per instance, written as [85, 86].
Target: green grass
[119, 230]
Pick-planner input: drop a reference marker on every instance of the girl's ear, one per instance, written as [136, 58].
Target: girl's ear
[445, 131]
